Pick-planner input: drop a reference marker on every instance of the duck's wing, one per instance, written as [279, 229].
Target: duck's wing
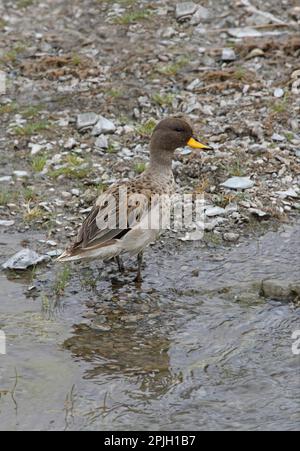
[115, 213]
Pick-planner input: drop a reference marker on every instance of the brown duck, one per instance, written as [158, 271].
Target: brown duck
[119, 222]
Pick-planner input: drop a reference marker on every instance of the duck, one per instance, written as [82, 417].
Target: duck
[118, 223]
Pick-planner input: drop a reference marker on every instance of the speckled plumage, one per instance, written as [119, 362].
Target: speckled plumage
[98, 236]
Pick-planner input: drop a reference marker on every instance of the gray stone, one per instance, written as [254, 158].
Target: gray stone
[215, 211]
[228, 54]
[277, 137]
[5, 179]
[231, 237]
[86, 121]
[280, 290]
[101, 142]
[103, 126]
[185, 10]
[24, 259]
[238, 183]
[288, 193]
[201, 14]
[4, 223]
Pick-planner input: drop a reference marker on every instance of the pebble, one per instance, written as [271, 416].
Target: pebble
[289, 193]
[200, 15]
[101, 142]
[4, 223]
[103, 126]
[215, 211]
[238, 183]
[70, 144]
[86, 120]
[231, 237]
[277, 137]
[24, 259]
[279, 92]
[35, 148]
[5, 179]
[228, 54]
[21, 174]
[185, 10]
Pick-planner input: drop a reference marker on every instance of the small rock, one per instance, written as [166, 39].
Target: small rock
[279, 92]
[86, 121]
[21, 174]
[5, 179]
[244, 33]
[70, 144]
[185, 10]
[215, 211]
[103, 126]
[259, 213]
[231, 237]
[101, 142]
[24, 259]
[255, 53]
[4, 223]
[280, 290]
[289, 193]
[238, 183]
[277, 137]
[35, 148]
[197, 235]
[200, 15]
[228, 54]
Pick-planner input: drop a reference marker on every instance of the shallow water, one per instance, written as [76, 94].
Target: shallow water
[194, 347]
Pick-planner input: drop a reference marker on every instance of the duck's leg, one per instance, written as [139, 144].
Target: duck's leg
[138, 278]
[120, 264]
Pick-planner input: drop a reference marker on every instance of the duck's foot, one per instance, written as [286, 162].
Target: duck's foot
[120, 264]
[139, 278]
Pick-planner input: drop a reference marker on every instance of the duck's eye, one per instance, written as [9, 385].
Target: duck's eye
[179, 130]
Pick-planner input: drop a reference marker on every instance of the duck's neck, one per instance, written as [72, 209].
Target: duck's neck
[160, 163]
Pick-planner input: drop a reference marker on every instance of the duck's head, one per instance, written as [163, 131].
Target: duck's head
[172, 133]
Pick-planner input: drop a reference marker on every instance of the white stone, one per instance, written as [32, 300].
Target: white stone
[238, 183]
[228, 54]
[279, 92]
[4, 223]
[86, 120]
[21, 174]
[277, 137]
[215, 211]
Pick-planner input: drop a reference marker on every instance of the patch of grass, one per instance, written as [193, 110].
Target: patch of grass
[212, 238]
[31, 129]
[12, 55]
[38, 163]
[240, 74]
[28, 195]
[33, 214]
[173, 68]
[163, 100]
[236, 169]
[31, 111]
[5, 197]
[289, 136]
[3, 24]
[24, 3]
[8, 109]
[147, 128]
[76, 59]
[62, 280]
[115, 93]
[70, 172]
[133, 17]
[139, 168]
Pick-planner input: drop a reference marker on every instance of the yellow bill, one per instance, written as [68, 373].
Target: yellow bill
[197, 145]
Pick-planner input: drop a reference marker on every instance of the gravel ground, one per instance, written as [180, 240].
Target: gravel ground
[229, 67]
